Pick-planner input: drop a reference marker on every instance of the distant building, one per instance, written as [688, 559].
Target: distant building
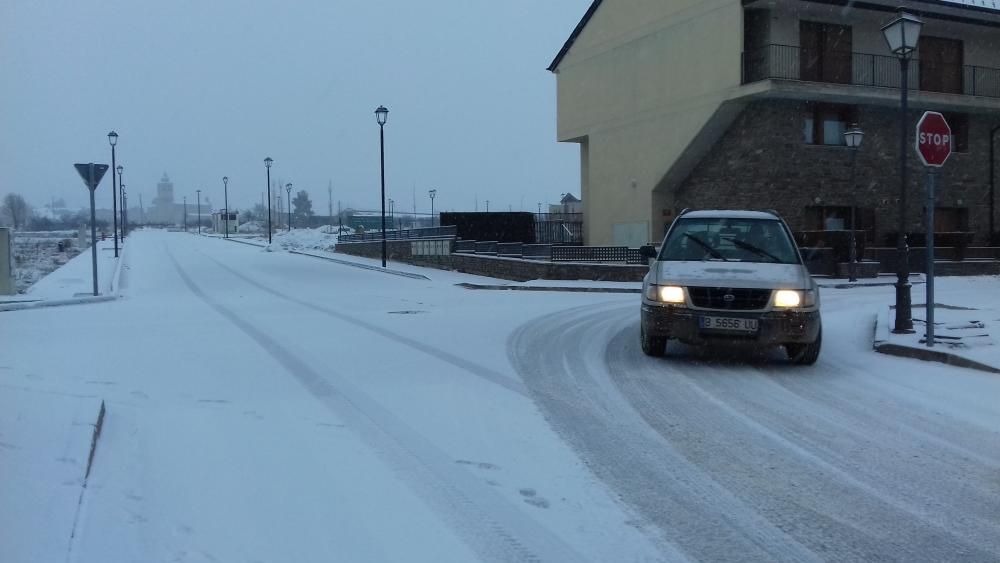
[568, 204]
[166, 211]
[219, 222]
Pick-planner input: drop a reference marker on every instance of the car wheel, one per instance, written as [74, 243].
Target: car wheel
[805, 354]
[655, 346]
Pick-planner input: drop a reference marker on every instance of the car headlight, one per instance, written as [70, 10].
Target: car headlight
[665, 293]
[791, 298]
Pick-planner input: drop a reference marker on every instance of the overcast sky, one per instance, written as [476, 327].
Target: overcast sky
[202, 89]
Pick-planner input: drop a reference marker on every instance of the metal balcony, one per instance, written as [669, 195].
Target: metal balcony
[785, 62]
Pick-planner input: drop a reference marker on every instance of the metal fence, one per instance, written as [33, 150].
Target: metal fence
[597, 254]
[402, 234]
[862, 69]
[559, 228]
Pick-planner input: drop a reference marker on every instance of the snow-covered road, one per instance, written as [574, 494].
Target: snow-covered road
[746, 458]
[270, 407]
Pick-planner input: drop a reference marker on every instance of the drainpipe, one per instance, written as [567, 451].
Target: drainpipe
[993, 135]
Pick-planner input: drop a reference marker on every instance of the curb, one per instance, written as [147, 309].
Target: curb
[342, 262]
[881, 344]
[466, 285]
[57, 302]
[363, 266]
[117, 274]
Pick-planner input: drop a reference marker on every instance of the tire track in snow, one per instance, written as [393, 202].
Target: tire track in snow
[481, 517]
[509, 382]
[754, 451]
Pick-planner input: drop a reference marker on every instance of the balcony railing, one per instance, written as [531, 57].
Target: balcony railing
[861, 69]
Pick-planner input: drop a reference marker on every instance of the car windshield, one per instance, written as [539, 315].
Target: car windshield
[729, 239]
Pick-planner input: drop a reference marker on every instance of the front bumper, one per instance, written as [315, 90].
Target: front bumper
[773, 328]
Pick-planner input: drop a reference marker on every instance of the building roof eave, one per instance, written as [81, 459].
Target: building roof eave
[576, 33]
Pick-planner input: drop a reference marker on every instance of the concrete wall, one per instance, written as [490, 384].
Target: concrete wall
[641, 80]
[6, 262]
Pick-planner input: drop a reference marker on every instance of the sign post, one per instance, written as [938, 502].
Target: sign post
[934, 147]
[92, 174]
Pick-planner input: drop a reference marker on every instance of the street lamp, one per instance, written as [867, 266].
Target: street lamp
[267, 163]
[853, 137]
[225, 195]
[288, 190]
[199, 211]
[381, 114]
[433, 194]
[113, 139]
[121, 187]
[902, 34]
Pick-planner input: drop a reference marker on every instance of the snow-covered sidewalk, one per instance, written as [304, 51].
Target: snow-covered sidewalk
[966, 327]
[73, 281]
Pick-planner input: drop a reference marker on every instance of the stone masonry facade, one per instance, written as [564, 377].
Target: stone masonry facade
[763, 162]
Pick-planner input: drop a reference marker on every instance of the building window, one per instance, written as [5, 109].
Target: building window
[959, 123]
[825, 124]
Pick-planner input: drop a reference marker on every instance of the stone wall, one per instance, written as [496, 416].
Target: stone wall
[762, 162]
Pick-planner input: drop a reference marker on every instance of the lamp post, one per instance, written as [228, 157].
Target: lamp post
[121, 187]
[185, 214]
[392, 216]
[381, 114]
[288, 190]
[199, 211]
[225, 196]
[267, 164]
[113, 139]
[853, 137]
[433, 194]
[902, 35]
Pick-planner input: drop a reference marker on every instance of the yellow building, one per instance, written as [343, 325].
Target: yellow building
[662, 95]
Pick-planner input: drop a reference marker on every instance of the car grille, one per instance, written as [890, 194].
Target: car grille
[729, 298]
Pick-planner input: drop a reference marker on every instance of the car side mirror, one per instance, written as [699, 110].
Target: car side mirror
[647, 252]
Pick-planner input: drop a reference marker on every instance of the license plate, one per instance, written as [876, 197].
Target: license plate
[728, 324]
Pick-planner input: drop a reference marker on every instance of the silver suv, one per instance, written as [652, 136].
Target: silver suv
[725, 277]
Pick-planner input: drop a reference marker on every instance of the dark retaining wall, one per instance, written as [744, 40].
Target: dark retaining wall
[515, 269]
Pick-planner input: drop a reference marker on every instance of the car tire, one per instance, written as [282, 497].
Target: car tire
[655, 346]
[805, 354]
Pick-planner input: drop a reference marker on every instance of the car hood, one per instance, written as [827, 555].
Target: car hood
[734, 274]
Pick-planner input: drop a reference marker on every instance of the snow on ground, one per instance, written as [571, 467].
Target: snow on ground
[966, 320]
[36, 254]
[75, 278]
[266, 406]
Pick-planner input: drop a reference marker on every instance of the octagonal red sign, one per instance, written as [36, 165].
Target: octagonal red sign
[933, 139]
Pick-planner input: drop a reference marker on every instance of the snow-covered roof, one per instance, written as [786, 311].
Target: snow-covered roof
[728, 214]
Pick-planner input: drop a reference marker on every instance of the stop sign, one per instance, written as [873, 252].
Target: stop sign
[933, 139]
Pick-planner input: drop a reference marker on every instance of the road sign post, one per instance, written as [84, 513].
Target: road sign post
[92, 174]
[934, 143]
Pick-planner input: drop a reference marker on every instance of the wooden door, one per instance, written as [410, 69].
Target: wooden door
[941, 65]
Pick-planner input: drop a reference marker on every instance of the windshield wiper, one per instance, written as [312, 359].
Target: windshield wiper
[756, 250]
[705, 245]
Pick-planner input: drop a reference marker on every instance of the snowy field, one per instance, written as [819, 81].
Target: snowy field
[37, 254]
[271, 407]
